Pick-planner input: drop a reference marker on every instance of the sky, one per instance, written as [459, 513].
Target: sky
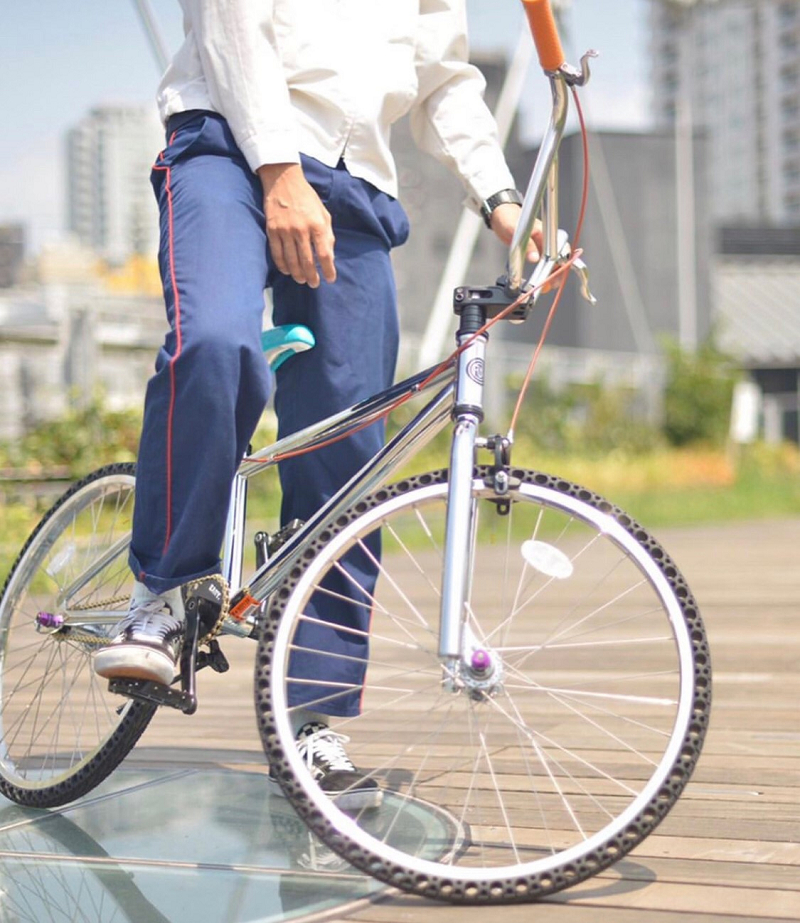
[58, 60]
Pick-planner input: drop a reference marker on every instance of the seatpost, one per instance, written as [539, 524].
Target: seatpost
[467, 413]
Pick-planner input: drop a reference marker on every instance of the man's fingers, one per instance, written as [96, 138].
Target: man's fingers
[303, 265]
[304, 257]
[298, 225]
[532, 253]
[323, 242]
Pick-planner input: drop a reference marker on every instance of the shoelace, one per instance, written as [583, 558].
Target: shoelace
[152, 616]
[329, 747]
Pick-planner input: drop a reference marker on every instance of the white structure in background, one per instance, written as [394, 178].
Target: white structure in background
[741, 59]
[111, 207]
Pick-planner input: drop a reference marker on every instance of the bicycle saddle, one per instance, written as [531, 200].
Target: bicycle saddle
[281, 342]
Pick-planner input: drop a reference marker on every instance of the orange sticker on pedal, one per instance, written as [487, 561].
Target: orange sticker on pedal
[245, 604]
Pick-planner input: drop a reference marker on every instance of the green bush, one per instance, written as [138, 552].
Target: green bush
[584, 419]
[698, 394]
[83, 439]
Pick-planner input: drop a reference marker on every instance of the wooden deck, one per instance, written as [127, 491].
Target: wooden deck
[730, 849]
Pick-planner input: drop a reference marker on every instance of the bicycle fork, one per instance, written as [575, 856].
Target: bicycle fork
[465, 663]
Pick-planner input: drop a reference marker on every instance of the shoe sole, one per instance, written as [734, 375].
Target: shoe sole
[133, 662]
[354, 801]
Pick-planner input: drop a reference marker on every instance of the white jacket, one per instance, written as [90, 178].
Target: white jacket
[329, 77]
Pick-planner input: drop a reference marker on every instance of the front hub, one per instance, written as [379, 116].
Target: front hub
[481, 672]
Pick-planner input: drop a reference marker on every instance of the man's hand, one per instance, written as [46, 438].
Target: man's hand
[298, 224]
[504, 223]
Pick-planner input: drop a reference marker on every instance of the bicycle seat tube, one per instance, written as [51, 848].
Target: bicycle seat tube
[467, 413]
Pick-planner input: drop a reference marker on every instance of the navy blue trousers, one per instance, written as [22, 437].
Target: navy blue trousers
[211, 381]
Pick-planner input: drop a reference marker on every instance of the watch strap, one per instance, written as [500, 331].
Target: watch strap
[503, 197]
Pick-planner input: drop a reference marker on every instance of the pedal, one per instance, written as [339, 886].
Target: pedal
[281, 537]
[154, 694]
[266, 544]
[213, 658]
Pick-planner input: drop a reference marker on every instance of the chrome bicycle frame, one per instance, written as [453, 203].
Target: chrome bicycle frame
[430, 420]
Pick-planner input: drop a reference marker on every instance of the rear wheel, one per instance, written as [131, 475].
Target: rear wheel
[61, 731]
[557, 743]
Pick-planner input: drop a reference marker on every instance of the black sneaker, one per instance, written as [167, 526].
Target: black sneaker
[325, 756]
[147, 644]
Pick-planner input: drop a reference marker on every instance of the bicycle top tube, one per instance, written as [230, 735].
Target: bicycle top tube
[342, 423]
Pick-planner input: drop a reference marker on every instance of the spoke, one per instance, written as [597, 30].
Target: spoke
[366, 660]
[527, 685]
[360, 633]
[518, 607]
[562, 700]
[567, 751]
[423, 522]
[593, 614]
[522, 573]
[620, 642]
[412, 557]
[658, 611]
[66, 691]
[394, 585]
[19, 686]
[374, 606]
[412, 786]
[579, 693]
[543, 760]
[503, 811]
[575, 781]
[11, 740]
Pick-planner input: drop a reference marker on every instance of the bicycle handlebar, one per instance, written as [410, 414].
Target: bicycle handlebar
[545, 33]
[548, 45]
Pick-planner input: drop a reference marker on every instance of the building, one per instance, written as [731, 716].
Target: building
[12, 253]
[110, 205]
[732, 68]
[61, 344]
[757, 298]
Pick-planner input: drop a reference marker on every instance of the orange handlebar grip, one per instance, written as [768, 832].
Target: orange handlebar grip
[545, 33]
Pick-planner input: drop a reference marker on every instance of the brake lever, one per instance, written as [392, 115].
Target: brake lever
[577, 265]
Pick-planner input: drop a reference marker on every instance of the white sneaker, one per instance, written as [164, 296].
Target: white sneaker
[147, 645]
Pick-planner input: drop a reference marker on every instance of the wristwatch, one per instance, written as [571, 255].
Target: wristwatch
[504, 197]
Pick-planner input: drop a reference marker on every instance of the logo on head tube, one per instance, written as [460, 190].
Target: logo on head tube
[475, 370]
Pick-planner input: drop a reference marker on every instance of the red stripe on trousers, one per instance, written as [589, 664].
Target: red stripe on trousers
[177, 297]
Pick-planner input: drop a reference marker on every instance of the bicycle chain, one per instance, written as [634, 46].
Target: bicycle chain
[76, 635]
[101, 603]
[192, 586]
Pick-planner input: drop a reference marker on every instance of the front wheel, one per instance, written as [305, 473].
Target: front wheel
[61, 731]
[560, 738]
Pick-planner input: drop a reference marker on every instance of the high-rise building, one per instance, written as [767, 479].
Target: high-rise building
[733, 67]
[111, 207]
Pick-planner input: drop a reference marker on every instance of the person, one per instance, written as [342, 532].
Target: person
[277, 173]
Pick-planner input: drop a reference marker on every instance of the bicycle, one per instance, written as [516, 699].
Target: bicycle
[538, 684]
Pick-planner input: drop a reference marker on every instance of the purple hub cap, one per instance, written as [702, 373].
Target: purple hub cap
[49, 620]
[480, 661]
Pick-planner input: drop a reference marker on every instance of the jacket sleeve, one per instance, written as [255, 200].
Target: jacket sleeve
[450, 119]
[236, 43]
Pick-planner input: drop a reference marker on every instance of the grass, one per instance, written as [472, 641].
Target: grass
[691, 486]
[662, 488]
